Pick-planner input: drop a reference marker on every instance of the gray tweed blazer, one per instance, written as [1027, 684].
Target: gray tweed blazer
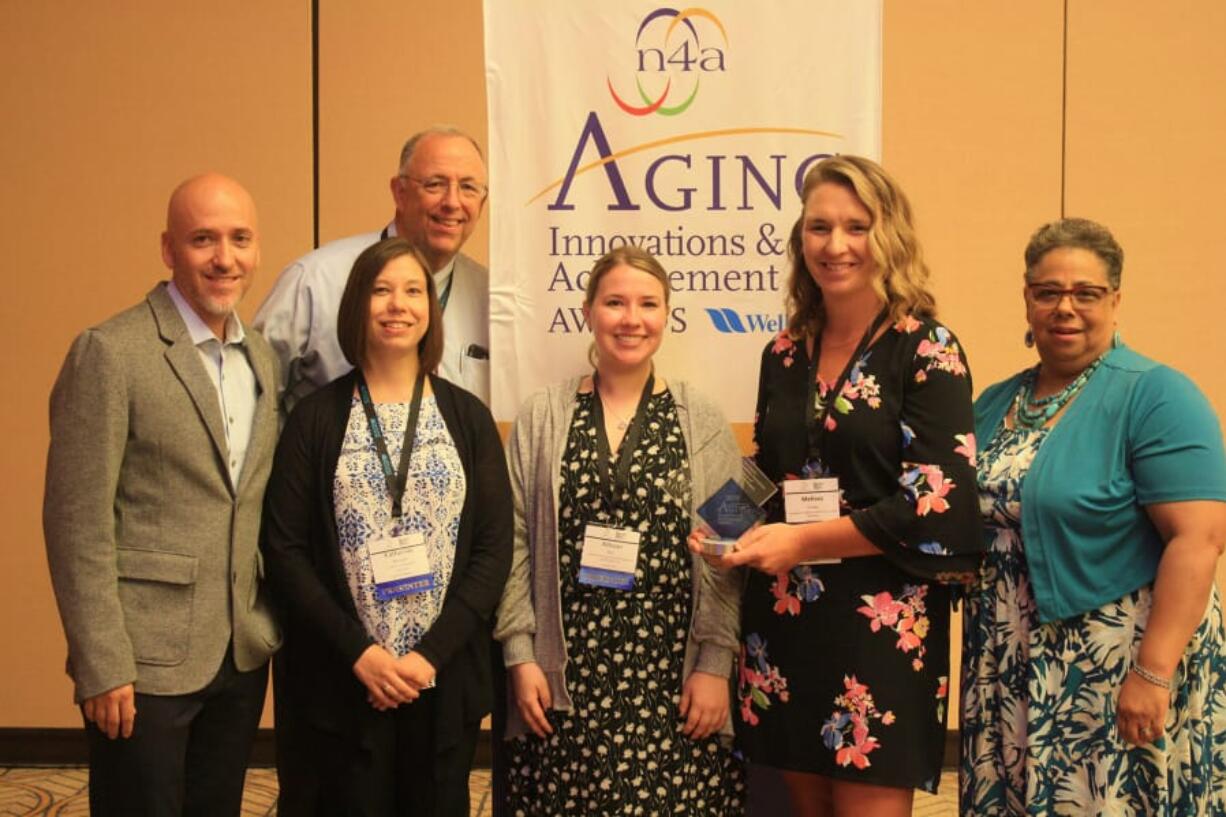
[153, 552]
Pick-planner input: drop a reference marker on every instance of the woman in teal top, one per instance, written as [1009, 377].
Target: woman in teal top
[1094, 674]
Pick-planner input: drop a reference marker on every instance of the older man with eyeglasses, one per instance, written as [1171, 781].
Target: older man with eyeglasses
[439, 190]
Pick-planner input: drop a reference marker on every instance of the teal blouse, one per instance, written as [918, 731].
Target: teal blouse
[1139, 433]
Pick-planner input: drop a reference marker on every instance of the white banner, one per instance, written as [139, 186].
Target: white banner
[686, 131]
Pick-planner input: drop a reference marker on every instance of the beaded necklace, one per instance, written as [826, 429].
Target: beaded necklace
[1031, 412]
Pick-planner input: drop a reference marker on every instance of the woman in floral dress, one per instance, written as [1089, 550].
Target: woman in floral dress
[1094, 677]
[620, 672]
[845, 663]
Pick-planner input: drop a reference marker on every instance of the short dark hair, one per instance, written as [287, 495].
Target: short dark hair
[353, 315]
[1080, 233]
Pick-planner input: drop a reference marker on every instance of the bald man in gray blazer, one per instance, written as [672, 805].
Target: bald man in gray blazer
[163, 425]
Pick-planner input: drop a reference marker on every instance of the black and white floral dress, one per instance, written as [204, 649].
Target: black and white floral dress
[620, 749]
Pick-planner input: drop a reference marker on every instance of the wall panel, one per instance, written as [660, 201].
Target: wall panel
[1147, 122]
[109, 106]
[972, 123]
[387, 69]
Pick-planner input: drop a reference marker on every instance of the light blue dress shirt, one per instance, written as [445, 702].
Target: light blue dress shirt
[230, 371]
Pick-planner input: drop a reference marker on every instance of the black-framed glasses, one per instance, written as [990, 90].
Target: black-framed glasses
[1083, 297]
[468, 189]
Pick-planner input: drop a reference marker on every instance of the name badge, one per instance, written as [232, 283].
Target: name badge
[811, 500]
[401, 566]
[609, 556]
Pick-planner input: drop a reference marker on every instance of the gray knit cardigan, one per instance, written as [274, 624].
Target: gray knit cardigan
[529, 623]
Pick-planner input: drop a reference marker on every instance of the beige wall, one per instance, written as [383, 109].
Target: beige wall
[389, 68]
[108, 106]
[1147, 128]
[111, 104]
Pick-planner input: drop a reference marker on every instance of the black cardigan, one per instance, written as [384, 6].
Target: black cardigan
[324, 636]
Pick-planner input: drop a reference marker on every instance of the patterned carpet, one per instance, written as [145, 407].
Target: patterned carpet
[61, 792]
[944, 804]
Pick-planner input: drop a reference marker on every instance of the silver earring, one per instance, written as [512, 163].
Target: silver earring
[1116, 340]
[1028, 339]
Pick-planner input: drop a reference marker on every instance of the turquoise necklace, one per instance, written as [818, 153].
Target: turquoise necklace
[1031, 412]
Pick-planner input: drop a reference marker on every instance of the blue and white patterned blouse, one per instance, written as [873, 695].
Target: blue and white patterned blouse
[433, 499]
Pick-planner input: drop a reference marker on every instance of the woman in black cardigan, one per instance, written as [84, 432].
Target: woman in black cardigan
[384, 676]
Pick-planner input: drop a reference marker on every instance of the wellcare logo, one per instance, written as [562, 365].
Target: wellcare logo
[671, 51]
[730, 322]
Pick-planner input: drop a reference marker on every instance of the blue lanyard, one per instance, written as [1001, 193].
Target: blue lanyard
[395, 479]
[445, 295]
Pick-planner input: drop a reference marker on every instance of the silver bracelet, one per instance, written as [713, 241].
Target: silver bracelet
[1152, 677]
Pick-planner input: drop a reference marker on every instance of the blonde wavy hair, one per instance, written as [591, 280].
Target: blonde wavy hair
[902, 278]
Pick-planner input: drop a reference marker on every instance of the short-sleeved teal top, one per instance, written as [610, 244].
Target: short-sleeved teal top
[1139, 433]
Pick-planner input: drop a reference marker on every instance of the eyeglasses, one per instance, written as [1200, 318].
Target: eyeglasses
[437, 186]
[1083, 297]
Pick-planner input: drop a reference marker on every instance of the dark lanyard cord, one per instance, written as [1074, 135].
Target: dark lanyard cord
[398, 478]
[816, 425]
[612, 487]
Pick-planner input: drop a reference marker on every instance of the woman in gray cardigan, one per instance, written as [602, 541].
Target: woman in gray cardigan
[619, 644]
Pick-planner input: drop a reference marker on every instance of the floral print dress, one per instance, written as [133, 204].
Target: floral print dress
[1038, 700]
[620, 750]
[845, 667]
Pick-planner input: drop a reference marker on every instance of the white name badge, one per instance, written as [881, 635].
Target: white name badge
[609, 556]
[811, 500]
[401, 565]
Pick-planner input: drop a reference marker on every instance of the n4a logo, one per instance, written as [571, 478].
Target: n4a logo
[730, 322]
[673, 56]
